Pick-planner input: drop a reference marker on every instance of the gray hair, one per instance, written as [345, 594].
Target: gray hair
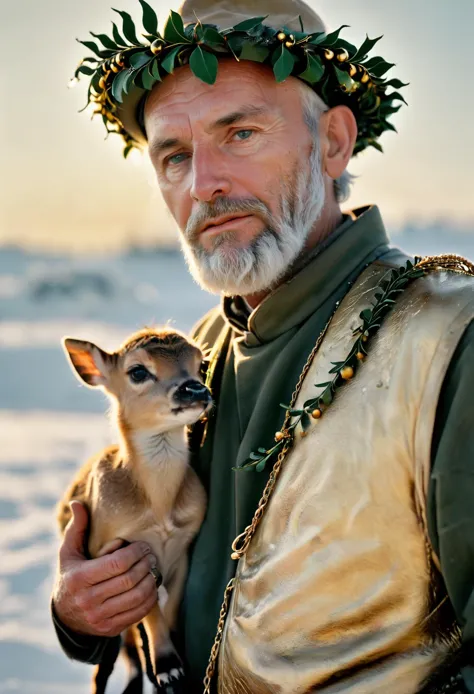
[313, 108]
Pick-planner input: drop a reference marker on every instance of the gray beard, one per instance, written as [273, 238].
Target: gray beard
[267, 259]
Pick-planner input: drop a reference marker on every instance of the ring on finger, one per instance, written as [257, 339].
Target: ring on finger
[157, 576]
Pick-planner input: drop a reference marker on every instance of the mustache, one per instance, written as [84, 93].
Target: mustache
[222, 205]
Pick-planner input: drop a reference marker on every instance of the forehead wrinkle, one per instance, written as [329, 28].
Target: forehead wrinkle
[198, 104]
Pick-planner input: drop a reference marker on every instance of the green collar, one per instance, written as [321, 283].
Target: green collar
[360, 238]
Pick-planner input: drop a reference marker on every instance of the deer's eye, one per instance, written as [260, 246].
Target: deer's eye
[138, 374]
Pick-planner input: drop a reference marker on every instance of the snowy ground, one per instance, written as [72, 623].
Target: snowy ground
[49, 424]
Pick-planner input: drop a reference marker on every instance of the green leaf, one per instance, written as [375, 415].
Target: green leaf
[128, 27]
[251, 51]
[249, 24]
[396, 83]
[127, 151]
[395, 96]
[138, 60]
[343, 78]
[117, 37]
[381, 68]
[262, 450]
[367, 46]
[314, 69]
[284, 65]
[330, 39]
[84, 70]
[105, 41]
[212, 37]
[322, 385]
[203, 65]
[149, 20]
[168, 63]
[120, 85]
[261, 466]
[255, 456]
[174, 29]
[366, 315]
[91, 46]
[154, 70]
[326, 399]
[369, 64]
[147, 79]
[376, 145]
[305, 421]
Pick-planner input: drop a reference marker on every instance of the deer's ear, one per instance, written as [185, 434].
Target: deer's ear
[90, 363]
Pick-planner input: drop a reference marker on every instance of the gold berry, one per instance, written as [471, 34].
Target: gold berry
[328, 54]
[102, 83]
[119, 60]
[156, 46]
[352, 70]
[281, 36]
[279, 436]
[303, 434]
[347, 373]
[316, 414]
[360, 356]
[114, 68]
[365, 78]
[343, 55]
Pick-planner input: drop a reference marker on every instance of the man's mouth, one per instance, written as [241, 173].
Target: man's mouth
[224, 223]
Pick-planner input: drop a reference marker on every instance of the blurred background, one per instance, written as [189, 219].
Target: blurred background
[88, 249]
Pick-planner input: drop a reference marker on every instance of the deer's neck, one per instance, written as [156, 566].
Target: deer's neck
[159, 462]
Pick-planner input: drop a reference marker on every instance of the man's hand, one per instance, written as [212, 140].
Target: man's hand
[104, 596]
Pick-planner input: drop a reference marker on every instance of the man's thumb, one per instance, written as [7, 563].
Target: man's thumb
[74, 535]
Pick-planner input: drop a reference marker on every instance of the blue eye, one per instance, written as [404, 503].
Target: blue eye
[244, 134]
[177, 158]
[138, 374]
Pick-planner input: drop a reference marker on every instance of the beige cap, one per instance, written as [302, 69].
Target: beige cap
[225, 14]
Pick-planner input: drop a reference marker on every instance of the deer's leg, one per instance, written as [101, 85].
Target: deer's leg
[174, 593]
[166, 662]
[103, 671]
[132, 657]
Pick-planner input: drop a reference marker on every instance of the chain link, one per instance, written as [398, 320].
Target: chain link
[217, 641]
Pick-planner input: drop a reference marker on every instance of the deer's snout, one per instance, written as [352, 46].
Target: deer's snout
[192, 393]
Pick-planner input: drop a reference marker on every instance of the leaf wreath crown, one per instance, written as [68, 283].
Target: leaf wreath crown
[124, 69]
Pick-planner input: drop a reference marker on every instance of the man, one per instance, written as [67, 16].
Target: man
[357, 573]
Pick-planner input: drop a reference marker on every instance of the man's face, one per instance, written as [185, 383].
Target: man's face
[236, 164]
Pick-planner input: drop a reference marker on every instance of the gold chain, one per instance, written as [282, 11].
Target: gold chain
[217, 641]
[455, 263]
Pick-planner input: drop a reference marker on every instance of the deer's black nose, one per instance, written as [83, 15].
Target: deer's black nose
[192, 392]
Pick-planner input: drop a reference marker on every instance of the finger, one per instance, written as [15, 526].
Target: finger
[121, 584]
[124, 620]
[143, 591]
[75, 533]
[110, 547]
[103, 568]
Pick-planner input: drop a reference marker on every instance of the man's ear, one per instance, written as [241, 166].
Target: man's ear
[90, 363]
[339, 135]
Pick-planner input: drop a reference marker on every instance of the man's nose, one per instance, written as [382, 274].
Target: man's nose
[210, 180]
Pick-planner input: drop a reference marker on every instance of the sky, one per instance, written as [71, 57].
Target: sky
[62, 186]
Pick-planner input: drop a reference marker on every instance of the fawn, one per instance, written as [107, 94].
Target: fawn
[143, 489]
